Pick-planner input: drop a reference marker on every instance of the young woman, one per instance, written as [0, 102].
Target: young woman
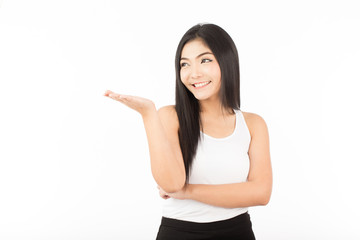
[211, 161]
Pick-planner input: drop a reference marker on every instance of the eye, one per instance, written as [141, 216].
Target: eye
[184, 64]
[206, 60]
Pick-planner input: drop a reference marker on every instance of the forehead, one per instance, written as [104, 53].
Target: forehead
[193, 48]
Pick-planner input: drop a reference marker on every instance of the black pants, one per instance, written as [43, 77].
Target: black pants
[237, 228]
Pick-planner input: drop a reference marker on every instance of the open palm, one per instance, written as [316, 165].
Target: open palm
[139, 104]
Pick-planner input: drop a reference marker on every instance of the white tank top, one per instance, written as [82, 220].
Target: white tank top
[217, 161]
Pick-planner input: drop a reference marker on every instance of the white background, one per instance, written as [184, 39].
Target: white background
[75, 164]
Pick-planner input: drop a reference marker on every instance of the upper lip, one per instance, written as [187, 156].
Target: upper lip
[199, 82]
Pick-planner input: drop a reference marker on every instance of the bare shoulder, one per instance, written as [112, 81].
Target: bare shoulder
[167, 111]
[168, 116]
[252, 117]
[254, 122]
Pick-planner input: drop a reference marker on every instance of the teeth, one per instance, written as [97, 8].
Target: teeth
[201, 84]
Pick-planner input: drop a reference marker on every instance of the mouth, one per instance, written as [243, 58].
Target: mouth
[200, 84]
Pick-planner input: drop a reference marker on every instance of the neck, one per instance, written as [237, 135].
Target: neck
[212, 108]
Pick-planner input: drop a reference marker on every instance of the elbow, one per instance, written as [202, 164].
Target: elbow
[170, 182]
[177, 184]
[264, 197]
[264, 200]
[173, 186]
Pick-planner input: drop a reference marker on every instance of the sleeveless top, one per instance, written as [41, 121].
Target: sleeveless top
[217, 161]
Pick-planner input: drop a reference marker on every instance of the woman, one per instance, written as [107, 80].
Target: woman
[210, 160]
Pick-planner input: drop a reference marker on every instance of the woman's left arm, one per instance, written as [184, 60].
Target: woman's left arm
[256, 191]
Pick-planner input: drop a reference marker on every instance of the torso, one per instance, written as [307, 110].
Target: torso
[215, 127]
[223, 150]
[222, 127]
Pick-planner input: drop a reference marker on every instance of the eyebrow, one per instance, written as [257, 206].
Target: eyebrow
[204, 53]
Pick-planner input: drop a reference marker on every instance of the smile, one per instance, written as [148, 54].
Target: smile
[200, 85]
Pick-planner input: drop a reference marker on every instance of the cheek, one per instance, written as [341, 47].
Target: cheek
[215, 73]
[184, 75]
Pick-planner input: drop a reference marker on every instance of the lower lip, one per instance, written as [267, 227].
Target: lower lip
[201, 86]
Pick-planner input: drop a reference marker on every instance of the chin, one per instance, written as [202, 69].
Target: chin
[201, 98]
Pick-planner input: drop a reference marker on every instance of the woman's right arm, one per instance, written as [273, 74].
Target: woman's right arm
[167, 165]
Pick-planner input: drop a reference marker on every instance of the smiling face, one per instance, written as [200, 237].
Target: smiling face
[199, 70]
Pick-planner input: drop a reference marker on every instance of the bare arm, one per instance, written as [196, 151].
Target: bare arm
[165, 155]
[167, 164]
[256, 191]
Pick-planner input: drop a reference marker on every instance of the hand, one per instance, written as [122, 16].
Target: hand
[182, 194]
[162, 193]
[142, 105]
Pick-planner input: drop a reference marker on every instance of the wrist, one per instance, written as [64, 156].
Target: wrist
[149, 112]
[188, 191]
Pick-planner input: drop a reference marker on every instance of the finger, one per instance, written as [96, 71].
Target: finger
[164, 196]
[110, 94]
[162, 193]
[124, 97]
[107, 92]
[118, 97]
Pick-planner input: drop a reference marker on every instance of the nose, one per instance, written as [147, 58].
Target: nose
[195, 71]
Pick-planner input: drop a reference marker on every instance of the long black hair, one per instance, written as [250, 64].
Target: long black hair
[186, 105]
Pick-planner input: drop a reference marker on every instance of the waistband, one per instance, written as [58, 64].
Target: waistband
[240, 220]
